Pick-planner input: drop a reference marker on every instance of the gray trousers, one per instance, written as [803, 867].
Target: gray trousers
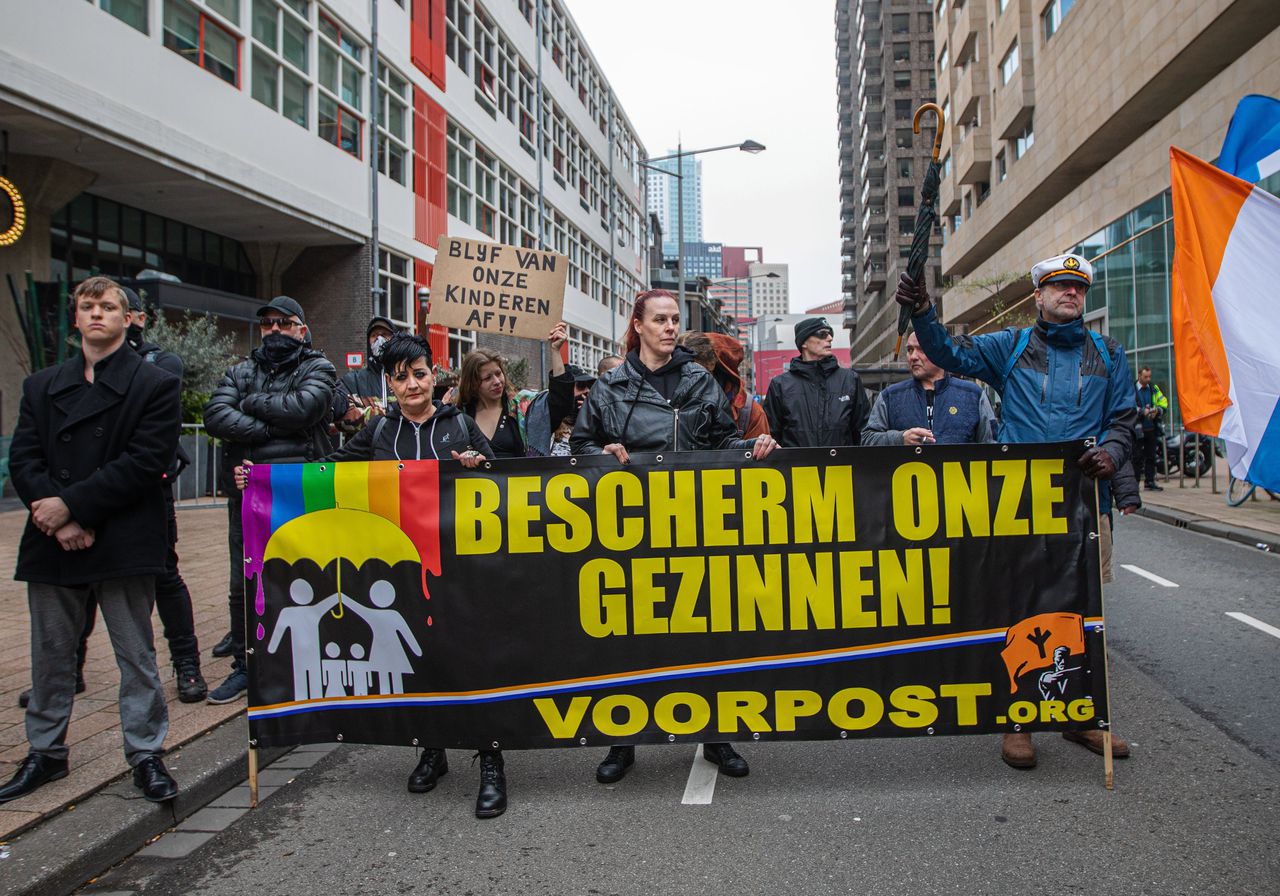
[57, 618]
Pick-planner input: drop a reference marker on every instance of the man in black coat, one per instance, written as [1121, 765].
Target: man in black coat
[272, 408]
[816, 402]
[361, 394]
[95, 436]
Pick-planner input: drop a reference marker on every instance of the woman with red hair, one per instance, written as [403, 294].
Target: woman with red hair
[659, 399]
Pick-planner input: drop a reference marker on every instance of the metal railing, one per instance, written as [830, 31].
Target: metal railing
[197, 486]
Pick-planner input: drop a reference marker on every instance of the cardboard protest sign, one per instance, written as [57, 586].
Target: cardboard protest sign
[496, 288]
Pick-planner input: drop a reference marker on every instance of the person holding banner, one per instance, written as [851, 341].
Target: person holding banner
[660, 399]
[434, 431]
[1058, 381]
[485, 393]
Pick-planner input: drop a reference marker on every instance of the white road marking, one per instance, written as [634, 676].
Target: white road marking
[701, 786]
[1149, 575]
[1256, 623]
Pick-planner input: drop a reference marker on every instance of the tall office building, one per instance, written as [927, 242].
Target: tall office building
[884, 71]
[664, 201]
[1042, 161]
[228, 143]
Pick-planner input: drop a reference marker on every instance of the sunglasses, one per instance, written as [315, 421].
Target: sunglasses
[823, 334]
[282, 323]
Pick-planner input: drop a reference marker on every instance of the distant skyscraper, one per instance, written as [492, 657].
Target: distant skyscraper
[884, 71]
[663, 201]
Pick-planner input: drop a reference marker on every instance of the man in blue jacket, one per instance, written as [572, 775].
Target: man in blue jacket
[1059, 381]
[932, 406]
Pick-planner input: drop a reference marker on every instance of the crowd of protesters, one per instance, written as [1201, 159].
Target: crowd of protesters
[96, 451]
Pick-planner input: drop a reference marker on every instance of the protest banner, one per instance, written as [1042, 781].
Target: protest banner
[496, 288]
[823, 593]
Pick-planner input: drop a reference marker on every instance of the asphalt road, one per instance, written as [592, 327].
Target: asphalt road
[1195, 811]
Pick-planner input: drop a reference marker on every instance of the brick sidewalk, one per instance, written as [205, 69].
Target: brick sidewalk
[1260, 513]
[97, 756]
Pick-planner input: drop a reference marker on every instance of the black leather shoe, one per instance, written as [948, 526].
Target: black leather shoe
[223, 647]
[431, 767]
[34, 772]
[24, 699]
[727, 758]
[615, 765]
[153, 779]
[491, 801]
[1152, 487]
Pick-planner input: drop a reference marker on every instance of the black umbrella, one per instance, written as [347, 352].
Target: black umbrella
[926, 215]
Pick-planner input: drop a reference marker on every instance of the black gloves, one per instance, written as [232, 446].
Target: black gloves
[1097, 463]
[911, 294]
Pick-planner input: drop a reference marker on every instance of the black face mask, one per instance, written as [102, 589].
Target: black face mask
[278, 348]
[133, 335]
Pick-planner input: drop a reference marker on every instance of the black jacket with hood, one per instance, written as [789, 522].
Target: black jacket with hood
[366, 381]
[817, 404]
[273, 413]
[679, 407]
[395, 437]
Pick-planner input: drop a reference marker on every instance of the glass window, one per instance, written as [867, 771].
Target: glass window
[397, 288]
[265, 80]
[229, 9]
[1053, 15]
[1151, 265]
[393, 130]
[341, 81]
[201, 40]
[294, 99]
[1009, 64]
[1120, 300]
[266, 23]
[131, 12]
[294, 47]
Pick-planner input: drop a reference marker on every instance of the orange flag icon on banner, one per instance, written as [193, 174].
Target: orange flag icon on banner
[1030, 644]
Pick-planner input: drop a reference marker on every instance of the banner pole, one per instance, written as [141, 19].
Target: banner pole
[252, 776]
[1108, 761]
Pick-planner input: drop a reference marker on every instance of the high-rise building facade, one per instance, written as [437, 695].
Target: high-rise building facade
[702, 260]
[664, 198]
[884, 72]
[228, 143]
[1063, 114]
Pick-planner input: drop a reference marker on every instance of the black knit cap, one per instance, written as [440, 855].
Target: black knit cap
[808, 327]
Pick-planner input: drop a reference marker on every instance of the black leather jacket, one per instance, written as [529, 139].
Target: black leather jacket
[271, 413]
[816, 404]
[625, 408]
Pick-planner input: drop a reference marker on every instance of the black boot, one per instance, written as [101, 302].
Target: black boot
[491, 801]
[727, 758]
[431, 767]
[225, 647]
[191, 684]
[615, 765]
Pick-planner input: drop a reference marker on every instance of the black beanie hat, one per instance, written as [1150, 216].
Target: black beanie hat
[808, 327]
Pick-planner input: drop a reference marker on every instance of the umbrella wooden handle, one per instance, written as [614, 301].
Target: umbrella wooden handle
[942, 123]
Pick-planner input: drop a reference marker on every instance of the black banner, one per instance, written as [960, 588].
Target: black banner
[822, 593]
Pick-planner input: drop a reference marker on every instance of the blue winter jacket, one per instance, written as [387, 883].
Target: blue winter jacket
[1060, 387]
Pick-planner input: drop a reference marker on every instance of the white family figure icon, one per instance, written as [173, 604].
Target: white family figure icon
[338, 676]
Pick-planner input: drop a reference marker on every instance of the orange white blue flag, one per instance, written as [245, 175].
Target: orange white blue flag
[1226, 314]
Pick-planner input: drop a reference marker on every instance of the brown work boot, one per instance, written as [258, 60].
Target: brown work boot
[1092, 739]
[1018, 751]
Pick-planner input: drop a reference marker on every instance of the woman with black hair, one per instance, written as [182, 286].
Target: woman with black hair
[416, 427]
[660, 399]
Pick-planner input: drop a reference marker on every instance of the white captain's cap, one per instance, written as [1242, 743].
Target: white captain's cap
[1061, 269]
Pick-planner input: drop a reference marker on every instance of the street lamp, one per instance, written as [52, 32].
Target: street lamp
[750, 146]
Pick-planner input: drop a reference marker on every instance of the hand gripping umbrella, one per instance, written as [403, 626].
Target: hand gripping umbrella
[926, 215]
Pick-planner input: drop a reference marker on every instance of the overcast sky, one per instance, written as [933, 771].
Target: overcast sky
[722, 71]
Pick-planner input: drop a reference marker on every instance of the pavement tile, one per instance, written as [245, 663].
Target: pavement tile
[238, 797]
[212, 819]
[299, 761]
[177, 844]
[1262, 513]
[276, 777]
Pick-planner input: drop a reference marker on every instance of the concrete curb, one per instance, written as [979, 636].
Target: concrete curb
[1263, 541]
[64, 852]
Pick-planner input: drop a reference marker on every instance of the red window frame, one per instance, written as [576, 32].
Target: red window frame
[206, 20]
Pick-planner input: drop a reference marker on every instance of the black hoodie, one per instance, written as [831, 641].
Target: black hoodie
[395, 437]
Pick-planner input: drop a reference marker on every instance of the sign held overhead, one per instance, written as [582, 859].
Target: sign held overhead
[496, 288]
